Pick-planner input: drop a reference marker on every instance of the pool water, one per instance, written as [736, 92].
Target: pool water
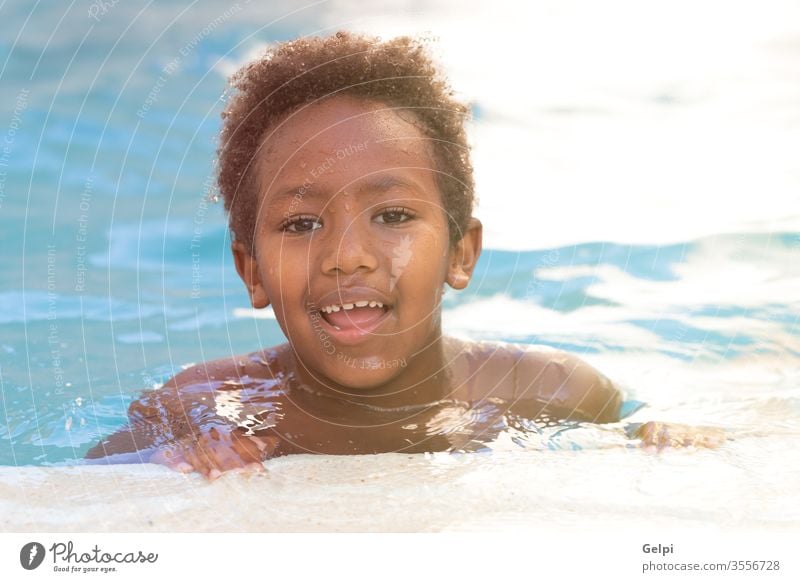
[116, 272]
[641, 315]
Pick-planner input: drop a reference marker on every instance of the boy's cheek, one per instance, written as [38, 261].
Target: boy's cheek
[431, 238]
[425, 253]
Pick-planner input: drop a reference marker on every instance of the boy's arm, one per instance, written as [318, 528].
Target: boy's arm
[178, 426]
[155, 417]
[566, 382]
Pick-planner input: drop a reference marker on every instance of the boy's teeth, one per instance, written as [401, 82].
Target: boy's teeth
[348, 306]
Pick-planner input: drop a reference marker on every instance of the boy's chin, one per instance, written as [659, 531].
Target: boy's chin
[365, 375]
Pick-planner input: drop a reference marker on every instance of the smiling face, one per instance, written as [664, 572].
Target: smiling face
[352, 246]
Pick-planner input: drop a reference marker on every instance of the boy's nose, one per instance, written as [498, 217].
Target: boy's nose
[350, 250]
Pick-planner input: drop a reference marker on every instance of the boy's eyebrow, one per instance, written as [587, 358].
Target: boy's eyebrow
[372, 186]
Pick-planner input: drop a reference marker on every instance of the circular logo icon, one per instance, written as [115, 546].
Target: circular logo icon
[31, 555]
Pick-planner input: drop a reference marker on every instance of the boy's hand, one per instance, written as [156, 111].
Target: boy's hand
[662, 434]
[215, 451]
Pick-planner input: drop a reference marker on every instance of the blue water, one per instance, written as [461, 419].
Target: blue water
[115, 272]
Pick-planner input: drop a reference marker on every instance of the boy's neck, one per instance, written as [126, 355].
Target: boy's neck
[427, 378]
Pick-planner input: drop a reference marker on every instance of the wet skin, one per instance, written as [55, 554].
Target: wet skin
[350, 210]
[233, 414]
[228, 414]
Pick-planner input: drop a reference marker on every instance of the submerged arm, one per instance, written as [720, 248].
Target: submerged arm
[178, 426]
[153, 418]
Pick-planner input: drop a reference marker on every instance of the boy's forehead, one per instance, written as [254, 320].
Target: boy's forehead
[343, 141]
[341, 118]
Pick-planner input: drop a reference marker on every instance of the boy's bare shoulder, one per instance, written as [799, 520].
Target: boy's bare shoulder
[569, 382]
[548, 375]
[267, 363]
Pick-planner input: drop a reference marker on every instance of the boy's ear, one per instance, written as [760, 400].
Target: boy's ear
[247, 267]
[464, 255]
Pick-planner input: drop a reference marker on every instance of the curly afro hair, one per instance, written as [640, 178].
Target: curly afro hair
[397, 72]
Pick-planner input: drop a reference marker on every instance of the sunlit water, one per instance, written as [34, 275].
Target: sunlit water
[115, 272]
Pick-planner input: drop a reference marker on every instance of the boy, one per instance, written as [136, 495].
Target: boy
[345, 171]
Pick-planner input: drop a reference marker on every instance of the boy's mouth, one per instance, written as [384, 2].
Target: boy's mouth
[351, 315]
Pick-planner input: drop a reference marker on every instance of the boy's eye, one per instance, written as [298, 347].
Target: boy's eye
[301, 224]
[395, 215]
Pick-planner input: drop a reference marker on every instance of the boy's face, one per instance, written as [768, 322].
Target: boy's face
[350, 212]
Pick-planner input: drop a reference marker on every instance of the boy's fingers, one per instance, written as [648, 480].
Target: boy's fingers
[203, 457]
[248, 450]
[712, 439]
[647, 431]
[226, 456]
[198, 459]
[249, 469]
[233, 452]
[172, 459]
[215, 452]
[662, 435]
[184, 468]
